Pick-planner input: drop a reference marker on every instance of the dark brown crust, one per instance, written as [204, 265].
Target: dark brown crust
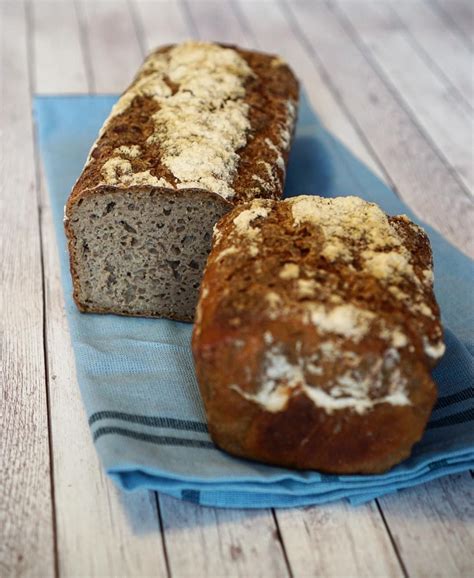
[266, 95]
[229, 345]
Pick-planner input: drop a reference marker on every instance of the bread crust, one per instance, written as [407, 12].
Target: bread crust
[289, 380]
[130, 152]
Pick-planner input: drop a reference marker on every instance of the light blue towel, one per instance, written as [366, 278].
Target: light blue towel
[137, 378]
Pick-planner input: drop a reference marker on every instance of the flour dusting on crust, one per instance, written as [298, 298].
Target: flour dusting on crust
[201, 123]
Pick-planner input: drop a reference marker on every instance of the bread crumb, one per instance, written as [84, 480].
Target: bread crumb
[226, 252]
[243, 221]
[345, 320]
[434, 351]
[289, 271]
[131, 152]
[306, 287]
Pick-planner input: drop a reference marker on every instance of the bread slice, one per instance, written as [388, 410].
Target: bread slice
[202, 128]
[315, 333]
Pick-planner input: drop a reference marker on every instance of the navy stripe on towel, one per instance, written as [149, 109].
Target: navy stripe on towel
[191, 496]
[154, 439]
[450, 420]
[164, 422]
[448, 400]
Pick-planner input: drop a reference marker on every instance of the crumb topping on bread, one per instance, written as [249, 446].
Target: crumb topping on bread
[350, 390]
[202, 119]
[344, 275]
[205, 106]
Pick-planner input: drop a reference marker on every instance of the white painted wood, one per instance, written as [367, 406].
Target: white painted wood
[101, 531]
[113, 46]
[459, 14]
[56, 44]
[26, 518]
[338, 540]
[271, 31]
[442, 47]
[161, 22]
[433, 526]
[443, 118]
[215, 20]
[421, 177]
[221, 543]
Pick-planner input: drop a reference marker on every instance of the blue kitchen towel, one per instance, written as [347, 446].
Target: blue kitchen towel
[136, 375]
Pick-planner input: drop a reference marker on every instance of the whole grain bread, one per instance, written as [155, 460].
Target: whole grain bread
[202, 128]
[315, 333]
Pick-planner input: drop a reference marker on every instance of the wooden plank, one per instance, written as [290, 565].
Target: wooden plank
[221, 542]
[421, 177]
[26, 517]
[162, 22]
[443, 48]
[338, 540]
[432, 526]
[112, 44]
[460, 15]
[447, 123]
[214, 20]
[56, 44]
[90, 511]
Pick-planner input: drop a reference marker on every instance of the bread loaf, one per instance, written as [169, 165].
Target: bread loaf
[201, 128]
[315, 333]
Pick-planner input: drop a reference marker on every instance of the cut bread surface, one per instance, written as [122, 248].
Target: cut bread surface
[201, 128]
[141, 252]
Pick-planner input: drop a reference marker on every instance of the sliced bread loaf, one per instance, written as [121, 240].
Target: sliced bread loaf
[202, 128]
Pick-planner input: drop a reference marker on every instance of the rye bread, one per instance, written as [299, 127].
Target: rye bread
[201, 128]
[315, 333]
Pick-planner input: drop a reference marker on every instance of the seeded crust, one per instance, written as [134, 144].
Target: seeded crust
[315, 333]
[127, 160]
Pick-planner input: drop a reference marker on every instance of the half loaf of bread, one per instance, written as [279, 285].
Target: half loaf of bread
[315, 333]
[201, 128]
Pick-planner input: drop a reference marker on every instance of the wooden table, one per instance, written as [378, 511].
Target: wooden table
[394, 82]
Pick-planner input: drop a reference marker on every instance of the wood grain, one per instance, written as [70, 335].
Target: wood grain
[218, 542]
[112, 43]
[216, 21]
[460, 15]
[443, 48]
[57, 49]
[432, 526]
[268, 24]
[26, 520]
[333, 540]
[420, 176]
[162, 22]
[446, 122]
